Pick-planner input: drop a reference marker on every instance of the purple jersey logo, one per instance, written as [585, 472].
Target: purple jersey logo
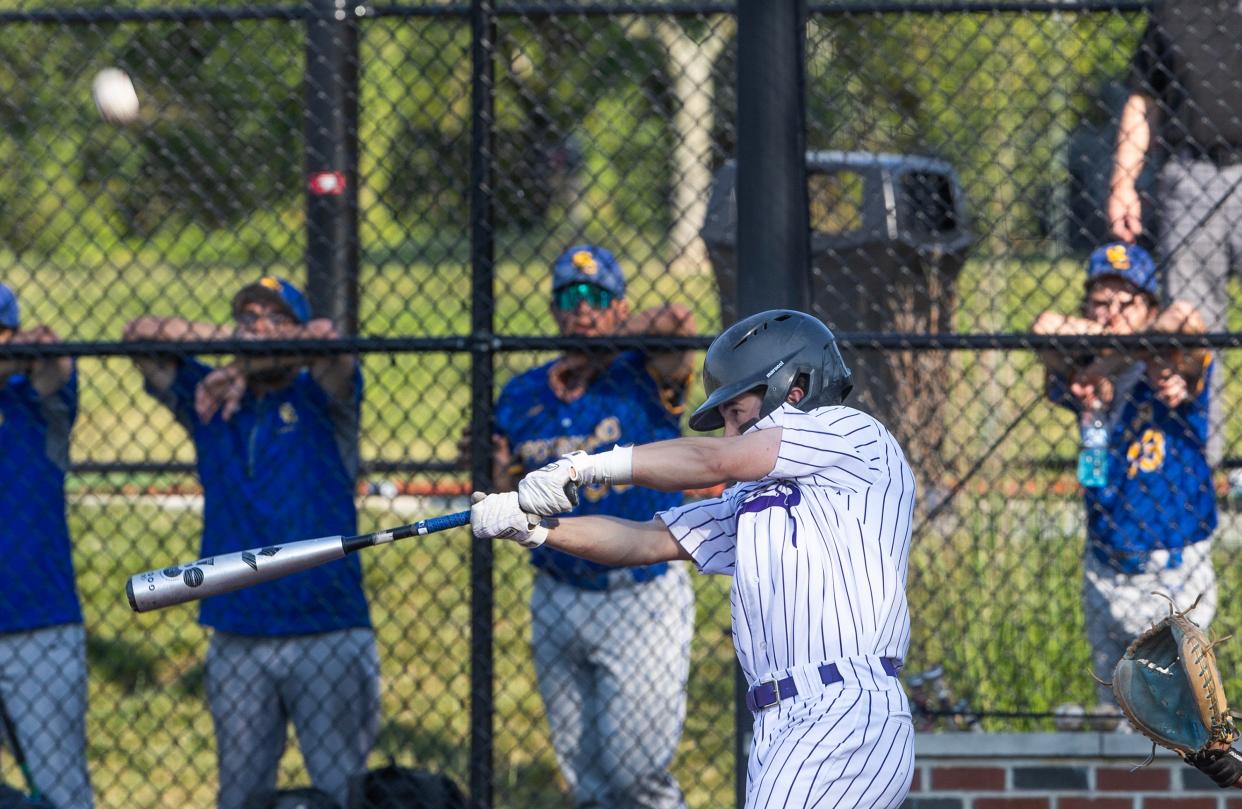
[784, 495]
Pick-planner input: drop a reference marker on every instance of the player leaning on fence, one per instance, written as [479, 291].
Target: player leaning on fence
[816, 537]
[1149, 522]
[42, 643]
[611, 644]
[276, 444]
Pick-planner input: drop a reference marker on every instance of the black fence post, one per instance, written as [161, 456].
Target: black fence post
[482, 322]
[331, 129]
[773, 225]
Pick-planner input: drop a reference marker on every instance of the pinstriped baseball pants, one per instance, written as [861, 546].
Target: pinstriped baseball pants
[843, 748]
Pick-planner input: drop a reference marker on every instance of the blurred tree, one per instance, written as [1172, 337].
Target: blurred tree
[691, 64]
[995, 94]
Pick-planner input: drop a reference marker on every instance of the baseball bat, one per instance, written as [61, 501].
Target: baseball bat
[214, 575]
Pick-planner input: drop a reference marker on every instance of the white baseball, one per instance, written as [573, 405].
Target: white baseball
[114, 95]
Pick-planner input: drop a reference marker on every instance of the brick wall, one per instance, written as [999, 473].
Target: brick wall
[1055, 771]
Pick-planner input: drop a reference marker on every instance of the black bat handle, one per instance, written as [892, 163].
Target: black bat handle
[430, 525]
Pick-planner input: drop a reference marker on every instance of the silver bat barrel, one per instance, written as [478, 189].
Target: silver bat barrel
[231, 571]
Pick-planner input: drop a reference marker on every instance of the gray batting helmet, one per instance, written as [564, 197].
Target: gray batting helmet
[769, 351]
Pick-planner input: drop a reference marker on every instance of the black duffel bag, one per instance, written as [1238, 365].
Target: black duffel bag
[299, 798]
[394, 787]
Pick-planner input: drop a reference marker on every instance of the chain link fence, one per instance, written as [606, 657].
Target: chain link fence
[416, 169]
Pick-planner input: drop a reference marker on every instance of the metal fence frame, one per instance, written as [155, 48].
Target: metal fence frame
[333, 241]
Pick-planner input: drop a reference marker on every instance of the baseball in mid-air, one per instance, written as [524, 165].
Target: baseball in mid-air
[114, 95]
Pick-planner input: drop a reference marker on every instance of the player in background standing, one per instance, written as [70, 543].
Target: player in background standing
[276, 440]
[42, 642]
[816, 537]
[611, 643]
[1149, 523]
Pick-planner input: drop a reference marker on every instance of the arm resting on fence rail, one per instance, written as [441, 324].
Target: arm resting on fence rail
[160, 372]
[47, 374]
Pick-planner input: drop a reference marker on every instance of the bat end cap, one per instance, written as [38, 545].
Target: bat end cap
[129, 593]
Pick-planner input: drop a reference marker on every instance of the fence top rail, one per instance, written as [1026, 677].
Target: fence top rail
[535, 10]
[113, 14]
[856, 341]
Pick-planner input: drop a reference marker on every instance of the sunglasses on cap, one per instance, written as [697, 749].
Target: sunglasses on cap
[567, 298]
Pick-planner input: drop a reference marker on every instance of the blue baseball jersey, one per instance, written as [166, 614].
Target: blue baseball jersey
[36, 578]
[1159, 493]
[281, 469]
[625, 405]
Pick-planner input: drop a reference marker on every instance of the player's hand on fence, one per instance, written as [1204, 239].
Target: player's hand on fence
[220, 391]
[1092, 387]
[552, 489]
[498, 516]
[570, 375]
[1222, 766]
[1171, 387]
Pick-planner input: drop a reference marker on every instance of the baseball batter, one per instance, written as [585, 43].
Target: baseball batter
[816, 535]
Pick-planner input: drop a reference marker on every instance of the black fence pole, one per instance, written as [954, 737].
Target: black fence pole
[482, 320]
[331, 129]
[773, 226]
[773, 230]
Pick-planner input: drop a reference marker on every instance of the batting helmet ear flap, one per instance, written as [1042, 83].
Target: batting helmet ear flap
[838, 378]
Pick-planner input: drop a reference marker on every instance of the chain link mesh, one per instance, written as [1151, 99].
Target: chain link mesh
[958, 176]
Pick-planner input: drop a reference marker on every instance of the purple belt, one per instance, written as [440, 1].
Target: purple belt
[768, 693]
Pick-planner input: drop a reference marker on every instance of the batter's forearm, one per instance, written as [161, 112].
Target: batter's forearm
[680, 463]
[697, 463]
[614, 541]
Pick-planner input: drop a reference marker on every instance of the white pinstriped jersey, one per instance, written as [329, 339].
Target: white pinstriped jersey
[818, 549]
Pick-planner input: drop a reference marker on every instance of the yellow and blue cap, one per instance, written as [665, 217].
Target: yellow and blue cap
[275, 290]
[589, 264]
[10, 314]
[1129, 262]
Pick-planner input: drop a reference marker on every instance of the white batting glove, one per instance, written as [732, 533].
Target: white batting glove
[498, 516]
[553, 489]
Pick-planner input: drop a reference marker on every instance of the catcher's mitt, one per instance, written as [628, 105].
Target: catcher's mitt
[1168, 686]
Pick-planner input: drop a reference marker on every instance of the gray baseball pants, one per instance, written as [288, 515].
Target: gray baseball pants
[1119, 607]
[1202, 247]
[43, 685]
[612, 668]
[327, 685]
